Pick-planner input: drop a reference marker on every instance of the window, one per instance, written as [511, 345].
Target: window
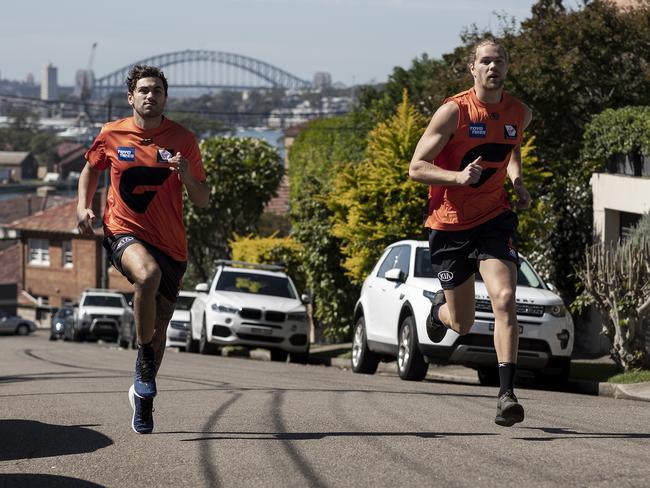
[258, 284]
[67, 302]
[66, 249]
[42, 300]
[398, 257]
[39, 251]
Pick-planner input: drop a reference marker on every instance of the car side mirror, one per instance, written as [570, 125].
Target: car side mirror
[305, 298]
[552, 287]
[395, 274]
[202, 287]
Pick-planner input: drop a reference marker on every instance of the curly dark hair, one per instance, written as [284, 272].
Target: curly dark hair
[140, 71]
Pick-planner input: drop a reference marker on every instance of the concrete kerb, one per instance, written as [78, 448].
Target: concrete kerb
[460, 374]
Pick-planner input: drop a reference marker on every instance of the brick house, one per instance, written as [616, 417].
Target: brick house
[57, 262]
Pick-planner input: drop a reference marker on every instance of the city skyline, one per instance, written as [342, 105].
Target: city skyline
[357, 41]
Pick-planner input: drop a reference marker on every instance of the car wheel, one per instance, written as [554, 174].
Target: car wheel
[279, 355]
[191, 344]
[22, 329]
[363, 360]
[205, 347]
[299, 357]
[488, 376]
[121, 342]
[77, 335]
[411, 365]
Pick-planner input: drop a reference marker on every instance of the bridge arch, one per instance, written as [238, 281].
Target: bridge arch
[207, 69]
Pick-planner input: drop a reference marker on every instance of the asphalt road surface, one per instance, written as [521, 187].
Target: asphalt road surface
[65, 422]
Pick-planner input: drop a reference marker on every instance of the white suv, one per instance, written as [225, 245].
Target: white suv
[104, 314]
[395, 301]
[250, 305]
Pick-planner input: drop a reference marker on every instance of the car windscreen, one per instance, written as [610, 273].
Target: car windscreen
[526, 276]
[102, 301]
[257, 284]
[184, 303]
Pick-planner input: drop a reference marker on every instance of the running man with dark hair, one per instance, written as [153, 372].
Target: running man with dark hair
[151, 160]
[471, 144]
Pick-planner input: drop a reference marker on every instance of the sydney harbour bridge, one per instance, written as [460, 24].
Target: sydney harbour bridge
[201, 69]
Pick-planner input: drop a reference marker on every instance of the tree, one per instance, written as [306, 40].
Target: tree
[243, 175]
[374, 203]
[314, 159]
[616, 280]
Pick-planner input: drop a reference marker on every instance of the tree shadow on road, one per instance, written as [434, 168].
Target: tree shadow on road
[28, 439]
[562, 433]
[18, 480]
[314, 436]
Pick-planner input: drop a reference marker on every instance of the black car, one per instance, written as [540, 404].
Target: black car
[57, 321]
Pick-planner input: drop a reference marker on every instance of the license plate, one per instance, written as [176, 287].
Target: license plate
[491, 327]
[261, 331]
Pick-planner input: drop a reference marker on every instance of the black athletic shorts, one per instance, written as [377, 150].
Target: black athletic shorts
[456, 253]
[172, 271]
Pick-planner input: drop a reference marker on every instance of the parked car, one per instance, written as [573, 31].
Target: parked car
[12, 324]
[57, 322]
[250, 305]
[102, 314]
[180, 322]
[395, 301]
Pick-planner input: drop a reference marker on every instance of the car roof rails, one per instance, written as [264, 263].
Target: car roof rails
[244, 264]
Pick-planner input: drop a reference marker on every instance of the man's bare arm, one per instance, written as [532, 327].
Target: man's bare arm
[438, 133]
[88, 180]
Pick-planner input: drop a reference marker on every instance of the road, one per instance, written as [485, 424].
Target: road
[65, 421]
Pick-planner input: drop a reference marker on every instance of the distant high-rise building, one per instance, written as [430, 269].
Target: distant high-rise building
[49, 84]
[322, 79]
[30, 78]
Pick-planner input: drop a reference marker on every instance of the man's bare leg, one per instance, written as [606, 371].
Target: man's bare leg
[145, 273]
[500, 279]
[458, 312]
[164, 312]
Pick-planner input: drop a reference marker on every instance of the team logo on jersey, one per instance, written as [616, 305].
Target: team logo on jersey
[164, 155]
[123, 241]
[510, 131]
[445, 276]
[126, 153]
[477, 130]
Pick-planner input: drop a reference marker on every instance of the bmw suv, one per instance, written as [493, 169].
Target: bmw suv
[390, 315]
[252, 305]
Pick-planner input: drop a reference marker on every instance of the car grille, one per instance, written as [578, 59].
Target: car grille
[273, 316]
[522, 308]
[105, 317]
[250, 313]
[483, 340]
[178, 325]
[259, 338]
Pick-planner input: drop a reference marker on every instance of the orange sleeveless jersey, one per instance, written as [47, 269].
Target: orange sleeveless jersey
[145, 197]
[490, 130]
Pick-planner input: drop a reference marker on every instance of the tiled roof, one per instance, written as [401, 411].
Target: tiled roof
[24, 205]
[11, 266]
[65, 148]
[62, 218]
[73, 156]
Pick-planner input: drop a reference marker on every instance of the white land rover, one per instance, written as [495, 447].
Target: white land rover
[250, 305]
[390, 316]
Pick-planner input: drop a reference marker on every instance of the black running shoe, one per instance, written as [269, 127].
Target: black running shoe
[436, 330]
[144, 381]
[509, 412]
[142, 420]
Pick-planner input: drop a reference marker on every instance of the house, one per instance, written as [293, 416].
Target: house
[17, 166]
[71, 159]
[57, 262]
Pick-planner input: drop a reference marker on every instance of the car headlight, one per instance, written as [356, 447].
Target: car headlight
[220, 307]
[297, 316]
[555, 310]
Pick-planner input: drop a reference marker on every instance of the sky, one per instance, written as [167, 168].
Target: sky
[357, 41]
